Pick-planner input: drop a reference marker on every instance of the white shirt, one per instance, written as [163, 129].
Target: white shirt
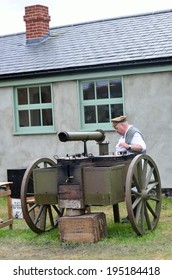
[137, 139]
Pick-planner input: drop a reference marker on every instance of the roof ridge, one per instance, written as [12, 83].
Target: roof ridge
[114, 18]
[12, 34]
[96, 21]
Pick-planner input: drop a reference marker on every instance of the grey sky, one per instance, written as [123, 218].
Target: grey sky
[64, 12]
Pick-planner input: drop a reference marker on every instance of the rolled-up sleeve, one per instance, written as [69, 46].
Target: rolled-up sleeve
[137, 139]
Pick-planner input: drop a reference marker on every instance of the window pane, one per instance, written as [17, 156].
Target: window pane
[23, 118]
[34, 113]
[22, 96]
[34, 95]
[90, 114]
[47, 117]
[88, 90]
[46, 94]
[35, 117]
[103, 113]
[102, 89]
[101, 100]
[115, 88]
[116, 110]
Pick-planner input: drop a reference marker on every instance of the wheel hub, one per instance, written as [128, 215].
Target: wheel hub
[144, 195]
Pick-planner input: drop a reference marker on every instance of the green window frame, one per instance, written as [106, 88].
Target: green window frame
[33, 109]
[100, 100]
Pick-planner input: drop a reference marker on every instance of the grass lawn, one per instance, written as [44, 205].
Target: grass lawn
[122, 243]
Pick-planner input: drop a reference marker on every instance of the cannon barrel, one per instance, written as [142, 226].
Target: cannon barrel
[97, 135]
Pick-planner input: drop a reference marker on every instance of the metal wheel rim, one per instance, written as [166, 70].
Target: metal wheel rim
[143, 183]
[44, 211]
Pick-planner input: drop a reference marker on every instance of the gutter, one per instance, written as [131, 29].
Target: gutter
[89, 68]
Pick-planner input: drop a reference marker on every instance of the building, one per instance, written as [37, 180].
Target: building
[77, 77]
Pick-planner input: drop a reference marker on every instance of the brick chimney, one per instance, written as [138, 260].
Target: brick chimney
[37, 23]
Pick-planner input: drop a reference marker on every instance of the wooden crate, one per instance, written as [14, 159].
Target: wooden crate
[90, 227]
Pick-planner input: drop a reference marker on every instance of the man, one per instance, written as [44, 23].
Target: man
[131, 139]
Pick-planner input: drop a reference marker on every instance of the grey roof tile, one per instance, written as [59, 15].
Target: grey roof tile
[118, 40]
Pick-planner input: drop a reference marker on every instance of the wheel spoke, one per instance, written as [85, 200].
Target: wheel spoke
[147, 217]
[43, 218]
[152, 186]
[136, 203]
[138, 212]
[136, 182]
[140, 174]
[153, 198]
[37, 218]
[142, 218]
[32, 207]
[145, 167]
[152, 192]
[149, 177]
[151, 210]
[135, 192]
[50, 215]
[58, 211]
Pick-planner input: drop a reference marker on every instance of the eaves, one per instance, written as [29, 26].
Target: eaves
[125, 65]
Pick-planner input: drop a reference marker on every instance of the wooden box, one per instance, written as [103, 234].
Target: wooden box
[103, 185]
[88, 228]
[70, 196]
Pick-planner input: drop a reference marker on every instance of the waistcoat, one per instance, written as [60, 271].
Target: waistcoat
[129, 136]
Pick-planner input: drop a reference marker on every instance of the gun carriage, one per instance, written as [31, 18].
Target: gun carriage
[73, 183]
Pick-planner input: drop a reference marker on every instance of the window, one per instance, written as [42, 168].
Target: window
[101, 101]
[34, 109]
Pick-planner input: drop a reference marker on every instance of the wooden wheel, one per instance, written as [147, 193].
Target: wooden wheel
[143, 194]
[39, 217]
